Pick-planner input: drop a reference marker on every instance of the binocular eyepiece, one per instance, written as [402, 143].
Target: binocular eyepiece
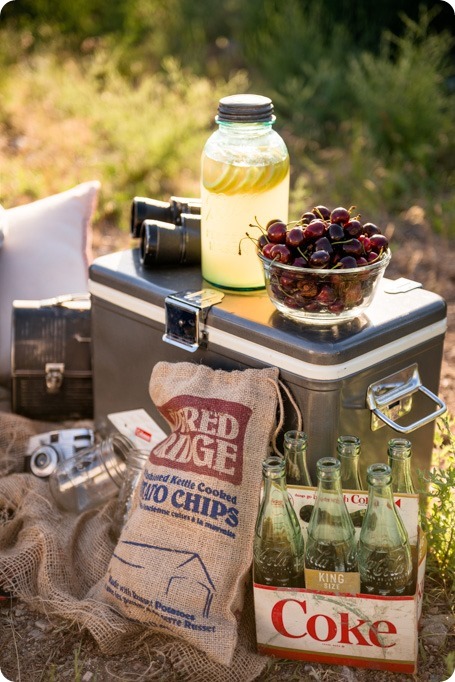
[170, 211]
[169, 231]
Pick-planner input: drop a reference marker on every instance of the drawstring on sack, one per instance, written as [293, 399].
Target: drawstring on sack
[281, 385]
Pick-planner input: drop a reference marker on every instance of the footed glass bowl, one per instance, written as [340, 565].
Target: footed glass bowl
[322, 296]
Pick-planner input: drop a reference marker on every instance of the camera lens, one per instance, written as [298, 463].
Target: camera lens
[168, 244]
[43, 461]
[148, 209]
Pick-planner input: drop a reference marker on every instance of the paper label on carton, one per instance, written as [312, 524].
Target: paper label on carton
[139, 427]
[332, 581]
[303, 499]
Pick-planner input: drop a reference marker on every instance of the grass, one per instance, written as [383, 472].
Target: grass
[438, 509]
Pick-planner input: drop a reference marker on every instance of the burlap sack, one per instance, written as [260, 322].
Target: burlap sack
[56, 563]
[183, 557]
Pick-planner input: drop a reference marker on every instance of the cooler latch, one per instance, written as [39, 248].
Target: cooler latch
[185, 315]
[391, 398]
[53, 372]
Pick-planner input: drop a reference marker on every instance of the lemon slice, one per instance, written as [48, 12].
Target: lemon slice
[247, 178]
[215, 174]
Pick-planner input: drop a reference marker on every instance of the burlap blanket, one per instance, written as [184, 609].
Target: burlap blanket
[51, 560]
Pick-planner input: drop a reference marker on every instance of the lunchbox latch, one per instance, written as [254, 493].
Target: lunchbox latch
[185, 315]
[54, 376]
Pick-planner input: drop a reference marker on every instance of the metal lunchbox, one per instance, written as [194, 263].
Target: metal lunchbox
[51, 358]
[376, 377]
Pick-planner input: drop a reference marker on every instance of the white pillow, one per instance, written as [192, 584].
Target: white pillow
[46, 253]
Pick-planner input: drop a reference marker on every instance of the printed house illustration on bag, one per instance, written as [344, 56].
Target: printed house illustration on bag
[181, 573]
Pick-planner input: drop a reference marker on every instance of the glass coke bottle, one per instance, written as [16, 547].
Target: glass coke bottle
[244, 179]
[278, 547]
[399, 455]
[295, 453]
[331, 547]
[348, 452]
[385, 562]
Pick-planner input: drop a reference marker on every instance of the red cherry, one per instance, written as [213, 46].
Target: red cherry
[281, 253]
[322, 212]
[315, 229]
[378, 242]
[266, 251]
[276, 232]
[340, 215]
[295, 237]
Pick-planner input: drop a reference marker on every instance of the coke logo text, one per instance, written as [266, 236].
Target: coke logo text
[346, 628]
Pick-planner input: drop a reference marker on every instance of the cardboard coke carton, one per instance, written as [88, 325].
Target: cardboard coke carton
[364, 631]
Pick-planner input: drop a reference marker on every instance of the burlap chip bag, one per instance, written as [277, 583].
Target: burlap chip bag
[183, 557]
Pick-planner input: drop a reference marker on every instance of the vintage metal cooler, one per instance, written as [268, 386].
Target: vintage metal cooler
[376, 377]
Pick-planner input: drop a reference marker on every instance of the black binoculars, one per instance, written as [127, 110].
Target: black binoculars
[169, 231]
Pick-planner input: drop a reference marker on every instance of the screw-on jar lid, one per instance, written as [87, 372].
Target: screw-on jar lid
[245, 109]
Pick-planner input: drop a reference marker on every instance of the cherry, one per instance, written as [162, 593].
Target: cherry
[370, 229]
[276, 232]
[353, 228]
[322, 212]
[378, 242]
[353, 247]
[295, 237]
[300, 262]
[326, 295]
[287, 280]
[372, 257]
[323, 244]
[361, 260]
[319, 259]
[353, 294]
[366, 243]
[307, 288]
[266, 251]
[347, 262]
[307, 217]
[336, 307]
[340, 215]
[280, 253]
[262, 241]
[315, 229]
[271, 222]
[336, 232]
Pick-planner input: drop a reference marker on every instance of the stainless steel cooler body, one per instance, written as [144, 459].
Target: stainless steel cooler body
[385, 362]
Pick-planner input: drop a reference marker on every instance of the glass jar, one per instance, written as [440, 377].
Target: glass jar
[92, 476]
[244, 180]
[135, 463]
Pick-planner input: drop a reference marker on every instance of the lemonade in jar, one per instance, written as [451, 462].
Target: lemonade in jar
[244, 179]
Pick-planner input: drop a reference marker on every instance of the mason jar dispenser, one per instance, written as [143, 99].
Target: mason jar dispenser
[244, 180]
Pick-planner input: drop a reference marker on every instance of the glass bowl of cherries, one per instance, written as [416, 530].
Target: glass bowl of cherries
[324, 268]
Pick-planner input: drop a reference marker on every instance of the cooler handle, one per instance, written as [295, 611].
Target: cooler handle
[389, 391]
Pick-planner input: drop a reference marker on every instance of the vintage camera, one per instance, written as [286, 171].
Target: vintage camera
[170, 211]
[169, 244]
[46, 450]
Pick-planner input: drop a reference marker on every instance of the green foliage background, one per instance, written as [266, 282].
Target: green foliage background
[364, 95]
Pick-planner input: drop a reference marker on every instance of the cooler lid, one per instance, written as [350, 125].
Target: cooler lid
[250, 325]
